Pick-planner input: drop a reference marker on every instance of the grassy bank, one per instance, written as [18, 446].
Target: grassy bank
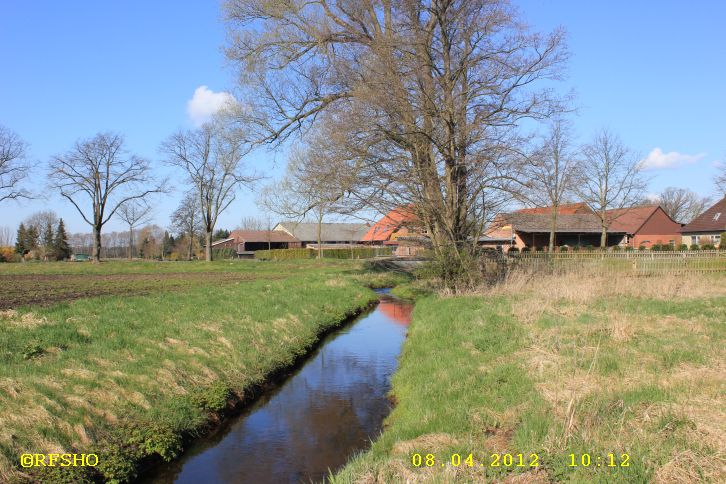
[560, 366]
[132, 376]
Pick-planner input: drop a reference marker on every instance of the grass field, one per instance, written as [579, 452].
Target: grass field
[560, 366]
[155, 355]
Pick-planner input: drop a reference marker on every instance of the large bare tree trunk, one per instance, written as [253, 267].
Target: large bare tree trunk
[208, 246]
[96, 256]
[320, 236]
[131, 243]
[553, 229]
[191, 245]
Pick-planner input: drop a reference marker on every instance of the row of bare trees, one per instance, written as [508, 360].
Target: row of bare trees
[101, 178]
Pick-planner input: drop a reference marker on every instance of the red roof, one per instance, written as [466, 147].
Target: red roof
[563, 209]
[382, 230]
[712, 220]
[629, 220]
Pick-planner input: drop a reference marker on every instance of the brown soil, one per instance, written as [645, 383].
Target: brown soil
[46, 289]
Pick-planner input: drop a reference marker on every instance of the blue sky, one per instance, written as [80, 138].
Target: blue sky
[652, 71]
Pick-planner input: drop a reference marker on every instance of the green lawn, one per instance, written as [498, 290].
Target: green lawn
[556, 367]
[135, 373]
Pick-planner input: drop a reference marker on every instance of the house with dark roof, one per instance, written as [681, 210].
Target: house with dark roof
[533, 230]
[330, 233]
[577, 225]
[707, 227]
[245, 242]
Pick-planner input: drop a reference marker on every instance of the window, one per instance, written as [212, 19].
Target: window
[716, 216]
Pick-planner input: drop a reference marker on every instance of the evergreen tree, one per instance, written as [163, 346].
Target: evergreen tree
[32, 234]
[48, 242]
[20, 240]
[167, 245]
[61, 248]
[220, 234]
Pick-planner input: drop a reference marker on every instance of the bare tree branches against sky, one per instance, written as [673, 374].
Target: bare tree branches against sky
[681, 204]
[13, 166]
[98, 176]
[459, 77]
[210, 158]
[656, 89]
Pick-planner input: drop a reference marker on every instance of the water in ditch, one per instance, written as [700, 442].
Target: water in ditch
[329, 409]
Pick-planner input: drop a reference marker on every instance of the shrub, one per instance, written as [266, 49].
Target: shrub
[225, 253]
[695, 247]
[656, 247]
[642, 247]
[629, 249]
[682, 247]
[8, 254]
[617, 248]
[564, 248]
[708, 247]
[525, 249]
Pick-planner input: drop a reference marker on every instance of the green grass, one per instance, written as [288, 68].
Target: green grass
[135, 376]
[554, 368]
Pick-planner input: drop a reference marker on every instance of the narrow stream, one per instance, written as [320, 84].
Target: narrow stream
[329, 409]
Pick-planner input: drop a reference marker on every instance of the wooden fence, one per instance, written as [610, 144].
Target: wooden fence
[638, 262]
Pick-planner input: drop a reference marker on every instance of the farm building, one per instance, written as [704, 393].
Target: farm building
[533, 230]
[396, 223]
[245, 242]
[563, 209]
[707, 227]
[331, 233]
[577, 225]
[645, 226]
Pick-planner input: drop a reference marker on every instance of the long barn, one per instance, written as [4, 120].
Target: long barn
[245, 242]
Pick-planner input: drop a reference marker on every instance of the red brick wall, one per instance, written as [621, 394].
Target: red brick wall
[658, 229]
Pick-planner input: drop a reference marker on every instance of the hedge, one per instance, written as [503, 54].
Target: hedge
[356, 253]
[225, 253]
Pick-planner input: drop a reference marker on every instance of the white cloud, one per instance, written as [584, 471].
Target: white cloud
[205, 103]
[656, 159]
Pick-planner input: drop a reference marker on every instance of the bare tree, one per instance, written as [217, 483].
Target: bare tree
[211, 158]
[13, 169]
[98, 175]
[720, 180]
[681, 204]
[186, 220]
[551, 175]
[422, 99]
[7, 237]
[42, 219]
[310, 185]
[609, 178]
[252, 223]
[134, 213]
